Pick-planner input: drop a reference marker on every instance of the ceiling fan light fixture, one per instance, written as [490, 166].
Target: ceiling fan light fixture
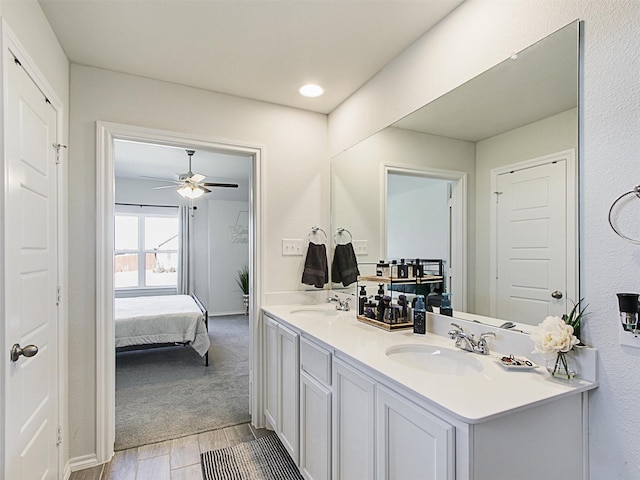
[190, 191]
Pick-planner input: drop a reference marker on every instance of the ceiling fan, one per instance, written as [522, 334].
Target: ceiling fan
[191, 185]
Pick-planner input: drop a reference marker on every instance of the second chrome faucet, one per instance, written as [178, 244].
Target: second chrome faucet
[467, 341]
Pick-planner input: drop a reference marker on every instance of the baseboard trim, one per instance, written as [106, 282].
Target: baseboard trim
[224, 314]
[81, 463]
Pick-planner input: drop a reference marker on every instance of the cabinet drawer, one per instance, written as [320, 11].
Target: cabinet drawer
[316, 361]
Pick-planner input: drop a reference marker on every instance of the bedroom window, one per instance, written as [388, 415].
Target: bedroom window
[146, 248]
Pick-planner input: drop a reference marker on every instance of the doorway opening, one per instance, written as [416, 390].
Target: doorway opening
[424, 216]
[222, 232]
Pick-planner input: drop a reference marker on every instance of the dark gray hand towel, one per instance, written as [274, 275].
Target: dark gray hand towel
[316, 271]
[345, 265]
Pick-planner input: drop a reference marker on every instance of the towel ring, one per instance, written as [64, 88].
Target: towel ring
[636, 192]
[314, 231]
[341, 231]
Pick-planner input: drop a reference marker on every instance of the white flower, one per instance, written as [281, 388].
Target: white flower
[554, 335]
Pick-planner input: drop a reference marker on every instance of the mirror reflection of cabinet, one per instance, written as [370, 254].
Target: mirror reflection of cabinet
[524, 108]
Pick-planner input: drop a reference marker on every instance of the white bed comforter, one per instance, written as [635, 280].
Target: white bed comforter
[160, 319]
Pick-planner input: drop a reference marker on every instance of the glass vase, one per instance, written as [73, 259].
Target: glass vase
[562, 366]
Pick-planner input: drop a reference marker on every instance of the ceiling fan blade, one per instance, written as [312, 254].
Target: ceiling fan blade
[163, 186]
[161, 179]
[197, 178]
[206, 190]
[226, 185]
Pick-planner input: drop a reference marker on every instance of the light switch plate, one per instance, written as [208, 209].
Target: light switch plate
[361, 247]
[291, 246]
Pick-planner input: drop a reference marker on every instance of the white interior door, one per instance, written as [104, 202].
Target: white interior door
[531, 243]
[31, 274]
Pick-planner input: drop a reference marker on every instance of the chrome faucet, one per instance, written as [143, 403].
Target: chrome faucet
[341, 305]
[466, 341]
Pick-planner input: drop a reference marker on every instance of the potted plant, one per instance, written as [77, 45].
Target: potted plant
[243, 282]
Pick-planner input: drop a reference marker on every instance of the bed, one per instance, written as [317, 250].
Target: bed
[142, 322]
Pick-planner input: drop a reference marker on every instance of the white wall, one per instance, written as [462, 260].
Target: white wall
[547, 136]
[226, 256]
[417, 217]
[358, 176]
[479, 34]
[295, 191]
[27, 21]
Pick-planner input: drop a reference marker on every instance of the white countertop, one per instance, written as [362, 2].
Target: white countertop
[474, 398]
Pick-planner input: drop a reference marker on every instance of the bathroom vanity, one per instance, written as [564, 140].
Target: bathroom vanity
[350, 401]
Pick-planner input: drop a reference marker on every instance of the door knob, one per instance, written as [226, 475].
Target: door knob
[17, 350]
[557, 294]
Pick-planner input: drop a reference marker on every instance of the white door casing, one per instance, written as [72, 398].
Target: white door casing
[106, 133]
[31, 279]
[533, 240]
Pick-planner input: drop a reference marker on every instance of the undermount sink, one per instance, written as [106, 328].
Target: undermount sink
[434, 359]
[320, 311]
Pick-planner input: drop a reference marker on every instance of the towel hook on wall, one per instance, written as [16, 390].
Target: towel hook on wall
[341, 231]
[314, 231]
[636, 192]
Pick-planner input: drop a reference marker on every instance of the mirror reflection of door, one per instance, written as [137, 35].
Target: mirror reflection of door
[530, 242]
[418, 217]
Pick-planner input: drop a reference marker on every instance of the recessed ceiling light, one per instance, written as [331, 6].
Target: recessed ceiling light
[311, 90]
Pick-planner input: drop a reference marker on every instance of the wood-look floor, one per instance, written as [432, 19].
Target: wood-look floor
[177, 459]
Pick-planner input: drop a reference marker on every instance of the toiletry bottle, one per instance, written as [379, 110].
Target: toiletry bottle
[403, 269]
[429, 307]
[379, 268]
[362, 300]
[379, 306]
[393, 270]
[402, 301]
[380, 310]
[386, 271]
[419, 316]
[445, 305]
[418, 269]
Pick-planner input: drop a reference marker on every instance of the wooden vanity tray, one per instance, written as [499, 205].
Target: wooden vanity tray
[385, 326]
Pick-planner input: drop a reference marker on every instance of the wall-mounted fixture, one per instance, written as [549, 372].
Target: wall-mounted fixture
[629, 307]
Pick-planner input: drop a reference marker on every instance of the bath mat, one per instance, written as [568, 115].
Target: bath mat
[261, 459]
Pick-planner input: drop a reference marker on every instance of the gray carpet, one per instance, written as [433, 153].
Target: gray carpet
[261, 459]
[167, 393]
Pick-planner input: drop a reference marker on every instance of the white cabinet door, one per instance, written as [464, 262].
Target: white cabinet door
[315, 429]
[288, 371]
[271, 371]
[353, 419]
[411, 444]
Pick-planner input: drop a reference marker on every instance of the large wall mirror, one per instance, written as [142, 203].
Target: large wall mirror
[484, 178]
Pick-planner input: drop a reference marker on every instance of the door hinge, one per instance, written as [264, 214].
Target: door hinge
[58, 295]
[59, 436]
[58, 146]
[498, 196]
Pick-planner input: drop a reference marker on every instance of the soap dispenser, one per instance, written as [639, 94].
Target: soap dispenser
[445, 305]
[362, 300]
[419, 316]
